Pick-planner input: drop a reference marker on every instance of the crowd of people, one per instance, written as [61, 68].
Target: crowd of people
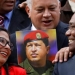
[37, 15]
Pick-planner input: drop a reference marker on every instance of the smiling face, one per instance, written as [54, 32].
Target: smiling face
[44, 14]
[4, 51]
[6, 6]
[36, 51]
[71, 34]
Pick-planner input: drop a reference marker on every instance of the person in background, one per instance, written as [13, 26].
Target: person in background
[12, 17]
[6, 48]
[68, 68]
[19, 19]
[6, 8]
[36, 46]
[62, 2]
[67, 11]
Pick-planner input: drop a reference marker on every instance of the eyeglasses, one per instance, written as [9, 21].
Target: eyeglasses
[4, 42]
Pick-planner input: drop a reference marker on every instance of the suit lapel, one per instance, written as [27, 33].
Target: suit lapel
[60, 30]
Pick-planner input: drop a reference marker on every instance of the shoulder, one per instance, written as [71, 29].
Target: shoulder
[25, 63]
[66, 65]
[17, 70]
[65, 68]
[62, 27]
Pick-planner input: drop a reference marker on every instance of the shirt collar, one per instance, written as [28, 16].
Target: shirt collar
[8, 15]
[33, 28]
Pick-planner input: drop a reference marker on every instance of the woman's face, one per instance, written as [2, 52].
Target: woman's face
[5, 51]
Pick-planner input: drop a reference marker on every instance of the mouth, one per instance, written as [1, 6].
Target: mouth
[3, 53]
[10, 3]
[71, 42]
[47, 22]
[34, 55]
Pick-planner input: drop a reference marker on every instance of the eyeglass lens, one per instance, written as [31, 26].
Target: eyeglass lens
[4, 42]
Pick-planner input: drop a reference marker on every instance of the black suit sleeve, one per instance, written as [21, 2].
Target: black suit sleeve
[55, 72]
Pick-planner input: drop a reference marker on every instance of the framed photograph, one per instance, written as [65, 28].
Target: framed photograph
[20, 44]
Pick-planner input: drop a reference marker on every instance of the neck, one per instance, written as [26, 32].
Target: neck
[38, 63]
[1, 64]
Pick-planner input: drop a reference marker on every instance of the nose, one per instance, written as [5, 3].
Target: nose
[68, 32]
[7, 47]
[33, 48]
[46, 13]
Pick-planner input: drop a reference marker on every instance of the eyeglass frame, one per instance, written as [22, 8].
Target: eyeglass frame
[6, 42]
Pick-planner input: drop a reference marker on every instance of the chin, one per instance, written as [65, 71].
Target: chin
[72, 49]
[34, 60]
[3, 61]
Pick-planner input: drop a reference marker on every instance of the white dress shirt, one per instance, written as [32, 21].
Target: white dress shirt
[33, 28]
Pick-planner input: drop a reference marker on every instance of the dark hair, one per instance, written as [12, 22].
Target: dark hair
[6, 64]
[3, 29]
[45, 41]
[22, 1]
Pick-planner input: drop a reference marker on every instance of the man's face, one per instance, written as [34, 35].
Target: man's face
[44, 14]
[6, 6]
[36, 51]
[71, 34]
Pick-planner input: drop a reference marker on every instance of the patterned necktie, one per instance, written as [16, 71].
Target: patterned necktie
[1, 21]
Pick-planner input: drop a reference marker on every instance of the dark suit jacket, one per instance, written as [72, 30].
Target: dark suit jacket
[19, 20]
[62, 40]
[65, 68]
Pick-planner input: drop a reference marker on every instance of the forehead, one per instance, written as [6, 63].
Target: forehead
[35, 41]
[72, 20]
[45, 2]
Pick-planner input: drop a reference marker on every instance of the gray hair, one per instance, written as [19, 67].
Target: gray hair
[29, 3]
